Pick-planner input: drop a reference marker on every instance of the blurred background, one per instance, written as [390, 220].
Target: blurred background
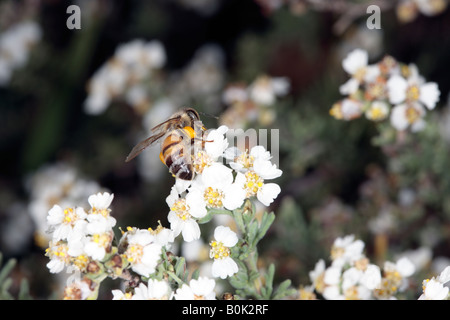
[73, 102]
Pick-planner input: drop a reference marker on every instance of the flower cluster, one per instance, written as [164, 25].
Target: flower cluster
[79, 237]
[217, 186]
[83, 240]
[386, 89]
[222, 189]
[15, 45]
[351, 276]
[122, 75]
[250, 103]
[434, 288]
[58, 183]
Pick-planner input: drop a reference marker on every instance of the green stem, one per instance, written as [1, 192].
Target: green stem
[175, 277]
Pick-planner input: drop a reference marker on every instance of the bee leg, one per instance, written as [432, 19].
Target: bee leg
[161, 157]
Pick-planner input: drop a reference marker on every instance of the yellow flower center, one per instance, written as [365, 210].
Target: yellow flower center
[218, 250]
[320, 283]
[104, 212]
[81, 262]
[103, 239]
[181, 209]
[306, 295]
[70, 215]
[253, 182]
[245, 160]
[351, 293]
[375, 90]
[60, 251]
[336, 111]
[200, 161]
[213, 197]
[412, 114]
[413, 93]
[362, 264]
[377, 113]
[389, 284]
[134, 253]
[360, 74]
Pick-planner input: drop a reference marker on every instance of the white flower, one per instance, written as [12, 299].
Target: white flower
[223, 266]
[403, 266]
[431, 7]
[378, 110]
[99, 218]
[98, 244]
[154, 54]
[163, 236]
[183, 214]
[79, 289]
[356, 64]
[347, 109]
[100, 202]
[123, 74]
[346, 250]
[215, 144]
[316, 275]
[155, 290]
[408, 115]
[434, 288]
[142, 253]
[15, 45]
[119, 295]
[369, 277]
[234, 93]
[265, 89]
[66, 223]
[59, 256]
[201, 289]
[215, 188]
[412, 89]
[253, 169]
[332, 279]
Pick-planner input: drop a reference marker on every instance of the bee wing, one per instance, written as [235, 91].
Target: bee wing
[142, 145]
[157, 133]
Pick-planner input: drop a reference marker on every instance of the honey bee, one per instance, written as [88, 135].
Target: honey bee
[179, 133]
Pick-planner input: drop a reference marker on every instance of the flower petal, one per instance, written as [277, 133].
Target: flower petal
[267, 193]
[397, 86]
[429, 94]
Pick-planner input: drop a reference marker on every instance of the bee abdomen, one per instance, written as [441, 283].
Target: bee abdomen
[175, 154]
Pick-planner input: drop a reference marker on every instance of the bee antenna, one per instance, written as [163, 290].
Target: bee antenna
[208, 115]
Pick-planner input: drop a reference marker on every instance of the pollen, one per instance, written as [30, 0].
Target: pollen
[413, 93]
[253, 183]
[134, 253]
[245, 160]
[213, 197]
[181, 209]
[218, 250]
[336, 111]
[412, 114]
[69, 215]
[104, 212]
[337, 252]
[200, 161]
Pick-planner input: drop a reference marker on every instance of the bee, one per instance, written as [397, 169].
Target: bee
[178, 135]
